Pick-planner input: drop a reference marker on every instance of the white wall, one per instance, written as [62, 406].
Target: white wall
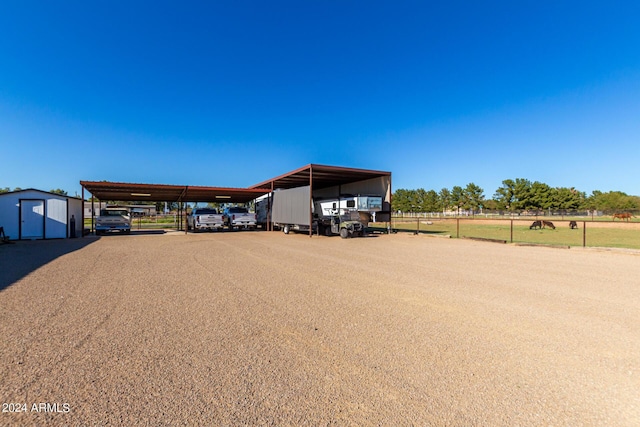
[10, 214]
[377, 186]
[55, 226]
[58, 211]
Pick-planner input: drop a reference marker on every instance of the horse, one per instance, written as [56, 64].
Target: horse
[548, 224]
[624, 215]
[573, 224]
[535, 224]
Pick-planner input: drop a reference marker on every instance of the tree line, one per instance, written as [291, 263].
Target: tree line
[514, 195]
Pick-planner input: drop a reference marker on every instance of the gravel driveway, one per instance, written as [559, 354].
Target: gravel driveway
[258, 328]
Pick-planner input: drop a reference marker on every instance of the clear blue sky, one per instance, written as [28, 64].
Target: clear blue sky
[231, 93]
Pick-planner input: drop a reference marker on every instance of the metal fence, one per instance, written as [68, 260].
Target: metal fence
[149, 222]
[562, 214]
[567, 231]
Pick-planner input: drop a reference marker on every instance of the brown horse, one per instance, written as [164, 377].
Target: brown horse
[548, 224]
[624, 215]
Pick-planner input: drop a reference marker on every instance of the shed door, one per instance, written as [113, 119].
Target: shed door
[32, 219]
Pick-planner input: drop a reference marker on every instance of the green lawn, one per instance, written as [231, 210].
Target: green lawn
[623, 236]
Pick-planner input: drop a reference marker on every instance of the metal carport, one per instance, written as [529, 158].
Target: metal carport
[319, 177]
[121, 191]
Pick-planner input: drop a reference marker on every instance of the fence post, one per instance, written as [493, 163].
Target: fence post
[584, 234]
[457, 228]
[511, 231]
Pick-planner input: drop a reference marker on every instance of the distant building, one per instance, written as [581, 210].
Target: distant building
[136, 210]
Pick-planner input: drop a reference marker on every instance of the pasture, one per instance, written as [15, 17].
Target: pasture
[614, 234]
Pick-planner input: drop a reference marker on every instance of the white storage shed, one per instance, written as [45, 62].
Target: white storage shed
[34, 214]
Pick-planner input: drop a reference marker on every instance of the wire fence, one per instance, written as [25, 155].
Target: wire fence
[565, 231]
[148, 222]
[593, 215]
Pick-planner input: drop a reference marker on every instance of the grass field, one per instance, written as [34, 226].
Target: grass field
[597, 234]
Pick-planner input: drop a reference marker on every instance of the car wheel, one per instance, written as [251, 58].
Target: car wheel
[344, 233]
[286, 229]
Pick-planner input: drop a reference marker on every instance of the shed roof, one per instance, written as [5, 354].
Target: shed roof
[323, 177]
[121, 191]
[39, 191]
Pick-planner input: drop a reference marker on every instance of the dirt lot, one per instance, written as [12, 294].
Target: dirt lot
[257, 328]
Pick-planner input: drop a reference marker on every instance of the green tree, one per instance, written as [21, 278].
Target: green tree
[59, 191]
[613, 201]
[539, 197]
[171, 206]
[567, 199]
[490, 204]
[522, 192]
[431, 203]
[505, 196]
[419, 200]
[444, 199]
[403, 200]
[457, 197]
[473, 197]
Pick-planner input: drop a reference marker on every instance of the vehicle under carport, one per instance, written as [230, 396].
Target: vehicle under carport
[312, 180]
[320, 181]
[181, 194]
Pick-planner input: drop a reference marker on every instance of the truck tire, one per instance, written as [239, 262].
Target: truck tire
[344, 233]
[286, 229]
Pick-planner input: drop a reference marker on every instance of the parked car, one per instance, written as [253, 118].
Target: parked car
[205, 219]
[239, 217]
[113, 219]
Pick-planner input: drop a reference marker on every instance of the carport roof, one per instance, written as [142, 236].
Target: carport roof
[122, 191]
[323, 177]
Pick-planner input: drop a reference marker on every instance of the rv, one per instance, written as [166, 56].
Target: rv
[347, 215]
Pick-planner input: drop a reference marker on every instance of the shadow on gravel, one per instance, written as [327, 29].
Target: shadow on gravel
[24, 256]
[139, 232]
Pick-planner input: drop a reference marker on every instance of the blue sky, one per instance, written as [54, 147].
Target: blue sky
[233, 93]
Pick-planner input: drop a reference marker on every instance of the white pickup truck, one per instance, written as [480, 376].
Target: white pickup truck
[113, 219]
[205, 219]
[239, 217]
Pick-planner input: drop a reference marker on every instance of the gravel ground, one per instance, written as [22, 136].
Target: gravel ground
[257, 328]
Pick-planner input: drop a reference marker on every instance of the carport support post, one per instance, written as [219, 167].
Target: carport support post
[82, 229]
[270, 209]
[310, 200]
[93, 213]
